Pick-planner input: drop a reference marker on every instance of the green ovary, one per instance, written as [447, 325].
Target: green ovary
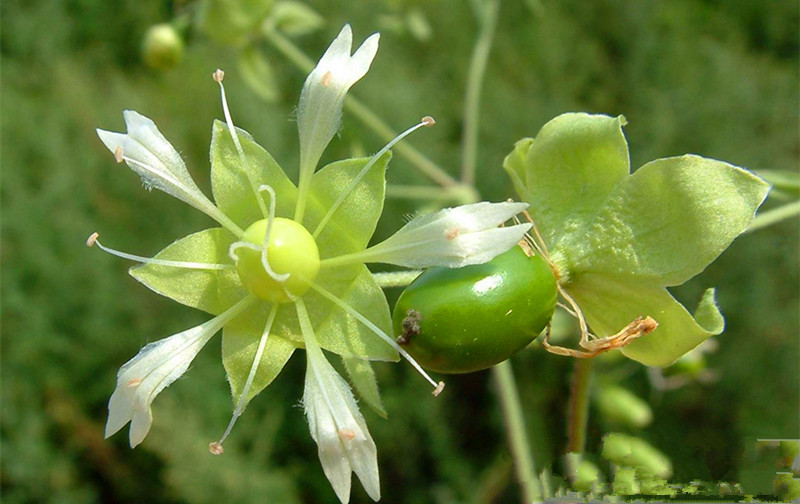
[291, 250]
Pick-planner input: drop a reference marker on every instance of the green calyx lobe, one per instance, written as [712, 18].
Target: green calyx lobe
[291, 250]
[467, 319]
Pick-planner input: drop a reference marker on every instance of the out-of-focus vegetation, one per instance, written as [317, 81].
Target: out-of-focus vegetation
[709, 77]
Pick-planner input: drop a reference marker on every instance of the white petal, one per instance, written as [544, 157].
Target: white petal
[338, 427]
[154, 159]
[154, 368]
[453, 237]
[362, 59]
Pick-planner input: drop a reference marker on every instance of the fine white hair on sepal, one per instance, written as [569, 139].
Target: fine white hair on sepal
[452, 237]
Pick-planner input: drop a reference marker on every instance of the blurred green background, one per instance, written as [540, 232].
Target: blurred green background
[712, 77]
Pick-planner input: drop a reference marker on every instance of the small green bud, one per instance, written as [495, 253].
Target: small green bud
[619, 406]
[291, 251]
[163, 47]
[633, 452]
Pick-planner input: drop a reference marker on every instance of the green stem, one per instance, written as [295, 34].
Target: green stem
[517, 435]
[774, 216]
[389, 279]
[363, 113]
[477, 70]
[578, 408]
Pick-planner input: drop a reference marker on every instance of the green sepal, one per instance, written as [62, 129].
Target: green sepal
[234, 183]
[609, 304]
[240, 340]
[630, 451]
[353, 224]
[667, 221]
[363, 379]
[212, 291]
[335, 330]
[295, 18]
[572, 165]
[515, 164]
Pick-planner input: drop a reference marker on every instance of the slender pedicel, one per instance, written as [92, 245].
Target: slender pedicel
[219, 76]
[438, 387]
[216, 447]
[426, 121]
[92, 241]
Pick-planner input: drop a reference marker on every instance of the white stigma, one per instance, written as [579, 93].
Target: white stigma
[265, 251]
[92, 241]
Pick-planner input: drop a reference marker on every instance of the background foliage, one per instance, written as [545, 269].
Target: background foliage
[709, 77]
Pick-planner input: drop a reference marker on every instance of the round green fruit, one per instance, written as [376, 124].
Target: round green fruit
[459, 320]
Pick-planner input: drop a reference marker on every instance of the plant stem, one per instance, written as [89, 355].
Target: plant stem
[421, 162]
[578, 412]
[389, 279]
[774, 216]
[517, 436]
[477, 70]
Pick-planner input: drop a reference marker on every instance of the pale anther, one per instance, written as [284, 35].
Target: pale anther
[327, 78]
[452, 233]
[428, 121]
[215, 448]
[346, 434]
[135, 382]
[218, 75]
[118, 154]
[438, 389]
[93, 238]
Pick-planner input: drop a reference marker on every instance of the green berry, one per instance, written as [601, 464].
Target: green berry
[291, 250]
[163, 47]
[467, 319]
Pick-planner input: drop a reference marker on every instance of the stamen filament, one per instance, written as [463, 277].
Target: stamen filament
[250, 377]
[92, 240]
[426, 121]
[218, 76]
[438, 387]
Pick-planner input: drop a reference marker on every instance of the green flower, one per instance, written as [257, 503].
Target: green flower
[619, 240]
[286, 269]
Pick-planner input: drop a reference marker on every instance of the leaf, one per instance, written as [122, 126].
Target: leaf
[212, 291]
[363, 379]
[352, 225]
[234, 183]
[515, 165]
[230, 21]
[257, 73]
[240, 341]
[295, 18]
[609, 303]
[572, 165]
[667, 221]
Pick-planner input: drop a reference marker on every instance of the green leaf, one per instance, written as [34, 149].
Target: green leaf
[234, 183]
[667, 221]
[609, 303]
[572, 165]
[240, 340]
[353, 224]
[257, 73]
[295, 18]
[212, 291]
[516, 164]
[363, 379]
[231, 21]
